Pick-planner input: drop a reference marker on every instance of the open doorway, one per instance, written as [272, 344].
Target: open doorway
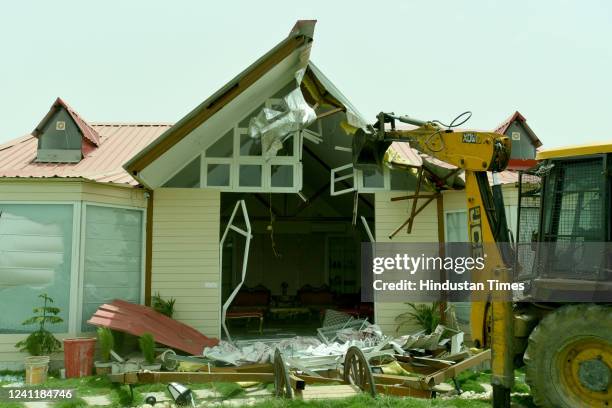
[304, 257]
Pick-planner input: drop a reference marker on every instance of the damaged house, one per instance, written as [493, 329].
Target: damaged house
[248, 208]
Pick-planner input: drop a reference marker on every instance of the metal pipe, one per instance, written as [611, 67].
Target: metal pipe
[411, 121]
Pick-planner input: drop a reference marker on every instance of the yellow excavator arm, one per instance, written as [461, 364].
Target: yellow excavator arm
[475, 153]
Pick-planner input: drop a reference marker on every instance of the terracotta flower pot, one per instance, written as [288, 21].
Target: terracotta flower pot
[103, 367]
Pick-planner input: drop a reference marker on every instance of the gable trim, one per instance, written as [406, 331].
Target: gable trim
[212, 105]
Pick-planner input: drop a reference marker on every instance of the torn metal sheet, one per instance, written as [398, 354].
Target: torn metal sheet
[137, 320]
[273, 127]
[322, 89]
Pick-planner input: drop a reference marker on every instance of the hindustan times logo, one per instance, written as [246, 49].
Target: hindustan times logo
[412, 264]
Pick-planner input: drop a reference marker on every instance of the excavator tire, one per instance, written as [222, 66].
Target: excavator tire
[569, 358]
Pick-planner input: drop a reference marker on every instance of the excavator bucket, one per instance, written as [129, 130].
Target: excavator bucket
[368, 151]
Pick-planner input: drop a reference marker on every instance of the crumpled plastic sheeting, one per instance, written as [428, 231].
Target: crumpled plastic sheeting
[273, 127]
[228, 353]
[372, 334]
[333, 349]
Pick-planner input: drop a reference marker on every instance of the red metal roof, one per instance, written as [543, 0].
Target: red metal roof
[503, 127]
[117, 143]
[137, 320]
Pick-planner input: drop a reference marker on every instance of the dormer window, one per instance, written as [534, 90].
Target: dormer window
[63, 136]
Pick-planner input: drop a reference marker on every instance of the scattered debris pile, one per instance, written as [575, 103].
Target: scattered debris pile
[349, 354]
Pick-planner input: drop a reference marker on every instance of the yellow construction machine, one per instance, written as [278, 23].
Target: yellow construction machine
[561, 326]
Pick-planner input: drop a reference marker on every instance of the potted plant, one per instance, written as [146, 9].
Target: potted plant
[41, 343]
[163, 306]
[427, 316]
[147, 347]
[106, 342]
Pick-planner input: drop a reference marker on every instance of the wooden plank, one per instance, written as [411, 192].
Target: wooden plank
[417, 368]
[389, 379]
[251, 368]
[297, 383]
[452, 371]
[330, 392]
[198, 377]
[149, 249]
[310, 379]
[432, 362]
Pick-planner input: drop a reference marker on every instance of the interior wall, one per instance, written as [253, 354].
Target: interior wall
[304, 238]
[301, 261]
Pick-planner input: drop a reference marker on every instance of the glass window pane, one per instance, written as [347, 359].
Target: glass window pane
[35, 258]
[222, 147]
[249, 146]
[113, 258]
[218, 175]
[373, 178]
[282, 176]
[188, 177]
[250, 175]
[244, 123]
[402, 180]
[456, 227]
[287, 149]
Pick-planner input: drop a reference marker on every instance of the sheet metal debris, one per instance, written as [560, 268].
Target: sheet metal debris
[412, 365]
[136, 320]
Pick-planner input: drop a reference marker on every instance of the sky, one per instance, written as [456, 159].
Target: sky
[154, 61]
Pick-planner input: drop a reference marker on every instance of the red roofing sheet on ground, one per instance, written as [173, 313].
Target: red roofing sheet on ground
[136, 319]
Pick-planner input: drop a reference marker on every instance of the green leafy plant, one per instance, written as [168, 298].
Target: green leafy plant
[106, 342]
[427, 316]
[147, 347]
[42, 342]
[163, 306]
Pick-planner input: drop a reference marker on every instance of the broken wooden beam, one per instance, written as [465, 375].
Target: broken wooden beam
[455, 369]
[309, 379]
[403, 380]
[251, 368]
[151, 377]
[330, 392]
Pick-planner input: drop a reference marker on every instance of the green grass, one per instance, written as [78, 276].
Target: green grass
[378, 402]
[226, 390]
[74, 403]
[120, 394]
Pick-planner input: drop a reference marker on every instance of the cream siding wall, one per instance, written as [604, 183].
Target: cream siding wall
[71, 190]
[186, 255]
[390, 215]
[36, 190]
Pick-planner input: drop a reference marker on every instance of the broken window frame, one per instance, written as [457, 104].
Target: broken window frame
[237, 159]
[358, 181]
[359, 178]
[336, 178]
[245, 259]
